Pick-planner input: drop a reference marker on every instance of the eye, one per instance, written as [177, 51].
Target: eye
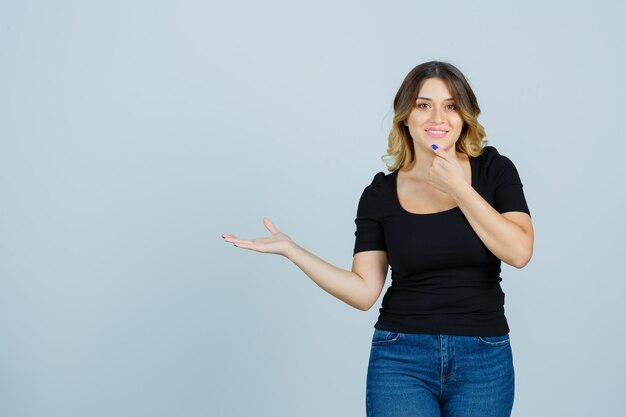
[420, 105]
[451, 107]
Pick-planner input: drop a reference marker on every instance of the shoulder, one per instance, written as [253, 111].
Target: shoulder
[497, 169]
[377, 191]
[379, 183]
[493, 162]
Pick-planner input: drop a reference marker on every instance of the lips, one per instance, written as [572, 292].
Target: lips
[436, 133]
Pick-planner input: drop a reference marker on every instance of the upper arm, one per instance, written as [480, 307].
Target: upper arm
[371, 266]
[508, 191]
[509, 200]
[370, 247]
[524, 222]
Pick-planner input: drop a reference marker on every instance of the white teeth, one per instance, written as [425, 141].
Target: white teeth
[437, 132]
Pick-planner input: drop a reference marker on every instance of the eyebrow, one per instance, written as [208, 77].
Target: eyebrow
[430, 99]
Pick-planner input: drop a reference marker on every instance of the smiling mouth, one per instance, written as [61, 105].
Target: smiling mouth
[436, 133]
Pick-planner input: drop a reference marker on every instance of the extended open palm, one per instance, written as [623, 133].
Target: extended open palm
[278, 243]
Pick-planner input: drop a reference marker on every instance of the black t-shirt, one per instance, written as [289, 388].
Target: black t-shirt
[444, 280]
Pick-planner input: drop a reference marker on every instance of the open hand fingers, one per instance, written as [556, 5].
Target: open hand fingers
[278, 243]
[270, 226]
[235, 240]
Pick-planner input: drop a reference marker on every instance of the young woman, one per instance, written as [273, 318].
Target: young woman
[445, 217]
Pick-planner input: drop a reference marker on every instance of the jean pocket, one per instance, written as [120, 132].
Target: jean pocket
[381, 337]
[495, 340]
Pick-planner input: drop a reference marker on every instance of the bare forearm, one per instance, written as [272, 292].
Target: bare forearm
[502, 237]
[340, 283]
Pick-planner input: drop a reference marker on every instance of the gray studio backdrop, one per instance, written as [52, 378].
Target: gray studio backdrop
[134, 133]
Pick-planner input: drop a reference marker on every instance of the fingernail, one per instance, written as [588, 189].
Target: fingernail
[435, 147]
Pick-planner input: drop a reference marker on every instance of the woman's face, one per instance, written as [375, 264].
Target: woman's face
[435, 120]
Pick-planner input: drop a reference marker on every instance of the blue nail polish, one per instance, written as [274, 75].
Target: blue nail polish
[435, 147]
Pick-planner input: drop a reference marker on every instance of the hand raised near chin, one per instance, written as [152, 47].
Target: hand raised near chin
[445, 173]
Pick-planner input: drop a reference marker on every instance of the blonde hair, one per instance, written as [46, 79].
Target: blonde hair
[400, 151]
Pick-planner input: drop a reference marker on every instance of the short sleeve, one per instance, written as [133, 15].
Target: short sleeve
[508, 192]
[369, 234]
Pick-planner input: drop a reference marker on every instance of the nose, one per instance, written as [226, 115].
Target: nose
[436, 115]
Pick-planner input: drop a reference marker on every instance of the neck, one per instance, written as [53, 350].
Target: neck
[424, 160]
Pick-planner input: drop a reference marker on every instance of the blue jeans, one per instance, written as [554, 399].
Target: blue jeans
[428, 375]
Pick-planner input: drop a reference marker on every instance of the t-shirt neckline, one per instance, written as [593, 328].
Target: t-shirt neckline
[450, 210]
